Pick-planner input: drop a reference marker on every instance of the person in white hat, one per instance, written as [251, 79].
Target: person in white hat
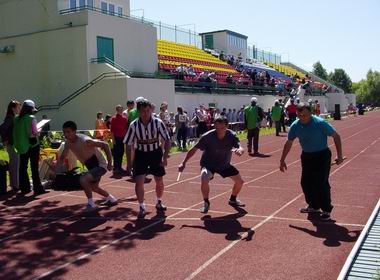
[253, 116]
[27, 145]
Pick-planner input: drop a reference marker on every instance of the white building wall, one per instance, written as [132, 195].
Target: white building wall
[46, 66]
[155, 90]
[135, 44]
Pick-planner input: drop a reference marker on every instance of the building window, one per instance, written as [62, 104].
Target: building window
[103, 7]
[73, 4]
[120, 11]
[82, 3]
[111, 9]
[90, 3]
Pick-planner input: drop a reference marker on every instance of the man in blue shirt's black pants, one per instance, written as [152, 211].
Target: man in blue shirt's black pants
[312, 132]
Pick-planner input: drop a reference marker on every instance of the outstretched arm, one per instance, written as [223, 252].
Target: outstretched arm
[338, 145]
[285, 152]
[189, 155]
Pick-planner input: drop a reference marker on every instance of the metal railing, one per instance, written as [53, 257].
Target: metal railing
[78, 92]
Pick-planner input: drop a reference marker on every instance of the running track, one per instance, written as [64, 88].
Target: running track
[50, 238]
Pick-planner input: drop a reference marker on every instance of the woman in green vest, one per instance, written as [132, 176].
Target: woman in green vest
[26, 144]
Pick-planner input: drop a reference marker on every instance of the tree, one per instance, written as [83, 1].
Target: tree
[319, 70]
[368, 90]
[341, 79]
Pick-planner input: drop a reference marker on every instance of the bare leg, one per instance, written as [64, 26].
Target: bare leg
[99, 190]
[238, 184]
[85, 182]
[139, 188]
[159, 186]
[205, 187]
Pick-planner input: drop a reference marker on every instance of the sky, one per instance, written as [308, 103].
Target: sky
[338, 33]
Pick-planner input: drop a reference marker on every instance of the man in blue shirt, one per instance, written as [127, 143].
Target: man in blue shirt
[312, 132]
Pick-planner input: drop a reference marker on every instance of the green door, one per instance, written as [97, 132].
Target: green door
[105, 47]
[209, 42]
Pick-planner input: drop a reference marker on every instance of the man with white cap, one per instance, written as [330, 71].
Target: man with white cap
[253, 115]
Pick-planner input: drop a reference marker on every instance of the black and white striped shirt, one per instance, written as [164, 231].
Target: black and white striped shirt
[147, 136]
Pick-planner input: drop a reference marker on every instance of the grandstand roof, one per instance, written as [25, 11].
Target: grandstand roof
[227, 31]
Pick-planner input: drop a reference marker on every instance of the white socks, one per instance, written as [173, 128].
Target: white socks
[111, 198]
[142, 205]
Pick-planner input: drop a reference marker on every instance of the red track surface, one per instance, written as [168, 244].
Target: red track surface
[269, 239]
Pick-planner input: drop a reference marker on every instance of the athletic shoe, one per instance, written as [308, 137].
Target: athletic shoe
[236, 203]
[141, 214]
[309, 210]
[90, 208]
[109, 202]
[160, 206]
[205, 208]
[325, 216]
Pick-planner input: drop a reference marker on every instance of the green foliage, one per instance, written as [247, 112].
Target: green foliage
[319, 71]
[368, 90]
[341, 79]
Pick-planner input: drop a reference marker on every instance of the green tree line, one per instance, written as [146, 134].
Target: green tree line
[367, 90]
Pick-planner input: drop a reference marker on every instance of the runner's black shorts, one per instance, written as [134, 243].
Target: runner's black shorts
[208, 173]
[148, 163]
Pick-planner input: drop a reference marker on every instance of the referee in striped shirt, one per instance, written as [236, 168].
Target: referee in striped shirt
[147, 131]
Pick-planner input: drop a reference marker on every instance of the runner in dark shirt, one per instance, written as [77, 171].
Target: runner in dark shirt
[217, 146]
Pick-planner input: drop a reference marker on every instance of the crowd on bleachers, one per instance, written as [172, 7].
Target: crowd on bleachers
[194, 65]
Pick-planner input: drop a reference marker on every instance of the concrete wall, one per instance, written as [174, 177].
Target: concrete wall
[340, 98]
[155, 90]
[46, 66]
[135, 43]
[30, 16]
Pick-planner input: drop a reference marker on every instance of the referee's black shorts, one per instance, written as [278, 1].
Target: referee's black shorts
[148, 163]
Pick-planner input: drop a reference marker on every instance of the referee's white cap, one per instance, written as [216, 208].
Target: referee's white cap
[253, 99]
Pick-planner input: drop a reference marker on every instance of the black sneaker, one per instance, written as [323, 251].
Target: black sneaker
[309, 209]
[326, 216]
[236, 203]
[109, 203]
[160, 206]
[141, 214]
[205, 208]
[39, 192]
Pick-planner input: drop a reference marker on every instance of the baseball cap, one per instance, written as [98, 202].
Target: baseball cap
[30, 103]
[253, 99]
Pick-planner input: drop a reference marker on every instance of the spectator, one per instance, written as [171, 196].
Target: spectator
[253, 115]
[317, 108]
[99, 126]
[276, 116]
[282, 120]
[164, 114]
[107, 124]
[191, 72]
[229, 116]
[181, 71]
[292, 112]
[27, 145]
[119, 126]
[181, 124]
[267, 77]
[229, 79]
[269, 118]
[234, 115]
[201, 116]
[217, 113]
[45, 129]
[6, 130]
[224, 112]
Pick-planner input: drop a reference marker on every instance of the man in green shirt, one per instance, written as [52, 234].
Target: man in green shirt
[276, 116]
[253, 116]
